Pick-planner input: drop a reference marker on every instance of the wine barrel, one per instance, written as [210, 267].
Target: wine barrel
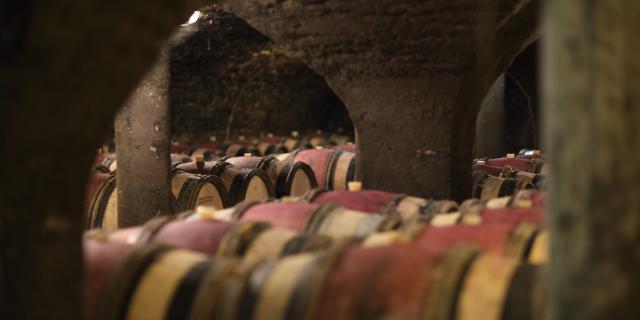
[539, 253]
[295, 143]
[206, 154]
[178, 148]
[513, 215]
[522, 199]
[487, 187]
[286, 288]
[338, 222]
[528, 180]
[333, 169]
[101, 260]
[505, 171]
[209, 149]
[193, 190]
[289, 178]
[103, 208]
[293, 216]
[349, 147]
[200, 235]
[406, 207]
[510, 239]
[109, 161]
[258, 241]
[340, 139]
[325, 219]
[92, 191]
[521, 164]
[270, 145]
[158, 282]
[530, 154]
[241, 184]
[392, 282]
[238, 149]
[516, 290]
[178, 159]
[320, 141]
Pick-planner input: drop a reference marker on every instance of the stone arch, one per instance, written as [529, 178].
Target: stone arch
[508, 120]
[228, 79]
[412, 75]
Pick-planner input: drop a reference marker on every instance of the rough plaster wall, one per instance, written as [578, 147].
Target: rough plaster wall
[221, 66]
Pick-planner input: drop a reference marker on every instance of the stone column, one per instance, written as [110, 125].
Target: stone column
[143, 143]
[591, 92]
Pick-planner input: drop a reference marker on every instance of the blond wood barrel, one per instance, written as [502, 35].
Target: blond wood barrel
[154, 282]
[338, 222]
[193, 190]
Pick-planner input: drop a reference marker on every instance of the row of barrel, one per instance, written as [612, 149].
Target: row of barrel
[357, 254]
[504, 176]
[212, 149]
[227, 181]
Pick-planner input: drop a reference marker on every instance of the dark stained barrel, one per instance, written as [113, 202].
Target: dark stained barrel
[289, 178]
[241, 184]
[333, 169]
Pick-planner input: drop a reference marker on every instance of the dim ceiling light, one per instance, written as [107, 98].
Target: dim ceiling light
[194, 18]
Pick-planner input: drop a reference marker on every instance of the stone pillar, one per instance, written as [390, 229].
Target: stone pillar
[591, 92]
[143, 143]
